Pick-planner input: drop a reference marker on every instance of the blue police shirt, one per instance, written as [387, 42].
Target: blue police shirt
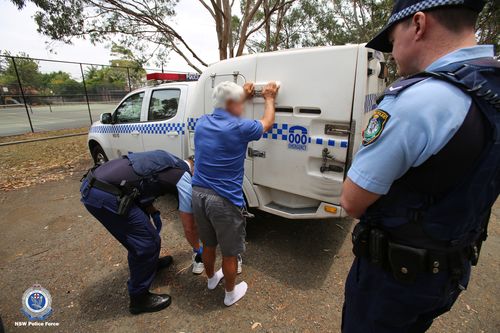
[221, 141]
[185, 189]
[411, 127]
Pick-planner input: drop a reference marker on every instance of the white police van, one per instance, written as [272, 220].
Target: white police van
[296, 170]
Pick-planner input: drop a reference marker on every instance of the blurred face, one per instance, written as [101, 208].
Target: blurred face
[236, 108]
[404, 51]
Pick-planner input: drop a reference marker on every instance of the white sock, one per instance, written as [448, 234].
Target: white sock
[213, 282]
[238, 292]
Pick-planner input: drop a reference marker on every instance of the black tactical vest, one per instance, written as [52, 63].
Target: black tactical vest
[154, 173]
[446, 201]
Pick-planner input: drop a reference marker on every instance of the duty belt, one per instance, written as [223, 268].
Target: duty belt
[125, 195]
[109, 188]
[406, 262]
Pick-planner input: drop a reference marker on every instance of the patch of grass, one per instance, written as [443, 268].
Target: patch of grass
[31, 163]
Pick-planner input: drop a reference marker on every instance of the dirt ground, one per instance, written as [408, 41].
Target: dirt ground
[31, 163]
[295, 271]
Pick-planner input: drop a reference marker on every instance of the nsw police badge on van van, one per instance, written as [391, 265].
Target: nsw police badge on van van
[375, 126]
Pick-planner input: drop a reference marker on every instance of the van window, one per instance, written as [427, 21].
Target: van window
[130, 109]
[164, 104]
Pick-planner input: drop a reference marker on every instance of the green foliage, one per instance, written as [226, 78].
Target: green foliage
[488, 27]
[136, 26]
[34, 81]
[338, 22]
[106, 78]
[60, 83]
[98, 78]
[116, 76]
[28, 70]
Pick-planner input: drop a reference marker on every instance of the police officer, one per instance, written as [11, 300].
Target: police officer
[427, 173]
[120, 194]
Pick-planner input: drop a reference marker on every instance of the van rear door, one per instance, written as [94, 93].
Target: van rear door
[306, 151]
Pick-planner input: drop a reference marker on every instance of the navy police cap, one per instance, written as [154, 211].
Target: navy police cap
[405, 8]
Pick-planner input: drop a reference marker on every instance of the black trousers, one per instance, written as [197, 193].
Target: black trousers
[376, 303]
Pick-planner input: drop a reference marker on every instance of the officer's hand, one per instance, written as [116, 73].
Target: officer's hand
[270, 90]
[249, 90]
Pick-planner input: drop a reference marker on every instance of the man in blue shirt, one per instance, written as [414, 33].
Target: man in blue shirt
[423, 151]
[221, 141]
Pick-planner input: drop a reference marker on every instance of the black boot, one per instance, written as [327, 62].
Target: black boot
[165, 262]
[149, 302]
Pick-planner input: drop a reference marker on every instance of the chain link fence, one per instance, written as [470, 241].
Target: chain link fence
[38, 95]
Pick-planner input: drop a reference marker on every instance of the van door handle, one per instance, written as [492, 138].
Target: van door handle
[135, 133]
[173, 133]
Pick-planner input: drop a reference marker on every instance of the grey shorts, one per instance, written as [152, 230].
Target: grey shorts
[219, 221]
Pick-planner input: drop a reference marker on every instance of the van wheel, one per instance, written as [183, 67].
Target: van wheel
[99, 155]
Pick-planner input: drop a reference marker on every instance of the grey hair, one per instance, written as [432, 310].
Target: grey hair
[226, 91]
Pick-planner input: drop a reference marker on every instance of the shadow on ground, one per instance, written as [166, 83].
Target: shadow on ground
[106, 298]
[296, 252]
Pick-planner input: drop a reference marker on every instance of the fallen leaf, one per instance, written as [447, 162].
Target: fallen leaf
[256, 324]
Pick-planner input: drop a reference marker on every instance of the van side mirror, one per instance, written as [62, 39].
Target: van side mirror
[106, 118]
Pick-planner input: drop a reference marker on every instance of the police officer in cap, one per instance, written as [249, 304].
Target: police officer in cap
[120, 194]
[427, 174]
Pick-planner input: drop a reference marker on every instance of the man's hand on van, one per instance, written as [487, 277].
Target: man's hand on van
[269, 93]
[270, 90]
[249, 90]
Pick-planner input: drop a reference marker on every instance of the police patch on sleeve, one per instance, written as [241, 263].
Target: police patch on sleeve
[375, 126]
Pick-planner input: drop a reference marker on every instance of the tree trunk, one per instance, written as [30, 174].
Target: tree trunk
[226, 31]
[267, 26]
[248, 15]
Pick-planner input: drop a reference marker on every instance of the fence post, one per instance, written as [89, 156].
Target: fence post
[86, 94]
[22, 94]
[128, 76]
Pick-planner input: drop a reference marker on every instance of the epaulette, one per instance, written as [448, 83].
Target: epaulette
[470, 76]
[400, 85]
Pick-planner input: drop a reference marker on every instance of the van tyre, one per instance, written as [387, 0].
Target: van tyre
[98, 155]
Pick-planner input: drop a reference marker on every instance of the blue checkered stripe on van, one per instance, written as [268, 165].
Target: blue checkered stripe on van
[102, 129]
[279, 132]
[329, 142]
[163, 128]
[191, 123]
[144, 128]
[370, 102]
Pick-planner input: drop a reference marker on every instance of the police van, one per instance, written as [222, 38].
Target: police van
[296, 170]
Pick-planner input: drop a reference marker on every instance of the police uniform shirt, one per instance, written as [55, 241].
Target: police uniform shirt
[115, 171]
[407, 129]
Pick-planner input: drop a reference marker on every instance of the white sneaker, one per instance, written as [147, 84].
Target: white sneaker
[238, 292]
[198, 266]
[240, 262]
